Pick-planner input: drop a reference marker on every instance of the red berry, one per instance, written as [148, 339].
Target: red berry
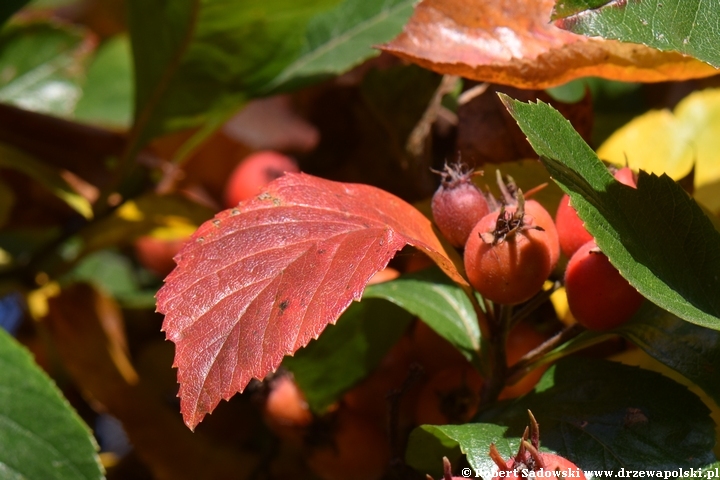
[598, 296]
[508, 256]
[540, 217]
[286, 405]
[549, 462]
[458, 204]
[529, 459]
[626, 177]
[450, 396]
[359, 451]
[156, 254]
[571, 230]
[254, 172]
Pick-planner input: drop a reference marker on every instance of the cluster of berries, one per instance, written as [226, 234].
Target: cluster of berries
[422, 380]
[510, 248]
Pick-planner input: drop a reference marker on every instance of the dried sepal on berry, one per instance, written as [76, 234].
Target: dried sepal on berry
[529, 459]
[509, 255]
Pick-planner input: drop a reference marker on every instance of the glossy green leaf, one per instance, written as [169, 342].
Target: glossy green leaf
[41, 436]
[43, 66]
[692, 351]
[437, 301]
[604, 415]
[209, 57]
[9, 7]
[656, 235]
[348, 351]
[338, 40]
[685, 26]
[47, 176]
[107, 97]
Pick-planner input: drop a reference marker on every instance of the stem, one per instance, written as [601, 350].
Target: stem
[544, 353]
[496, 354]
[533, 304]
[482, 318]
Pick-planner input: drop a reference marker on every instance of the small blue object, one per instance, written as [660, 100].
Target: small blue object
[12, 312]
[111, 436]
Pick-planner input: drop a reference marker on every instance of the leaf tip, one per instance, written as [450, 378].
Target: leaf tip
[506, 100]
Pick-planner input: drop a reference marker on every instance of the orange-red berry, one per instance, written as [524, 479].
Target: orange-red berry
[507, 257]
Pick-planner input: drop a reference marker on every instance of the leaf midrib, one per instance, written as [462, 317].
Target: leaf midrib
[324, 48]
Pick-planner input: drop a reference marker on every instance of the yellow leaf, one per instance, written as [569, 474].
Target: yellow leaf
[662, 141]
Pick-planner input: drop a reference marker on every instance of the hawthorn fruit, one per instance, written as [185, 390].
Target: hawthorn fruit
[529, 459]
[598, 296]
[358, 450]
[286, 411]
[254, 172]
[432, 351]
[369, 397]
[571, 230]
[509, 254]
[458, 204]
[157, 254]
[547, 462]
[450, 396]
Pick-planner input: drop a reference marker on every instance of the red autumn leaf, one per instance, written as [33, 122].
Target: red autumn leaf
[260, 281]
[512, 42]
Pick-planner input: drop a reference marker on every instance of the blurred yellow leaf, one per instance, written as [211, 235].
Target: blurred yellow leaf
[662, 141]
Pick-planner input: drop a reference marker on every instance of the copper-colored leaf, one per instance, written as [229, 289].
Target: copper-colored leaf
[513, 42]
[260, 281]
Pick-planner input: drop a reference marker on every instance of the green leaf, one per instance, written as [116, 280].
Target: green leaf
[604, 415]
[108, 90]
[692, 351]
[113, 273]
[685, 26]
[9, 7]
[209, 57]
[656, 235]
[42, 66]
[429, 443]
[347, 352]
[41, 436]
[45, 175]
[338, 40]
[439, 302]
